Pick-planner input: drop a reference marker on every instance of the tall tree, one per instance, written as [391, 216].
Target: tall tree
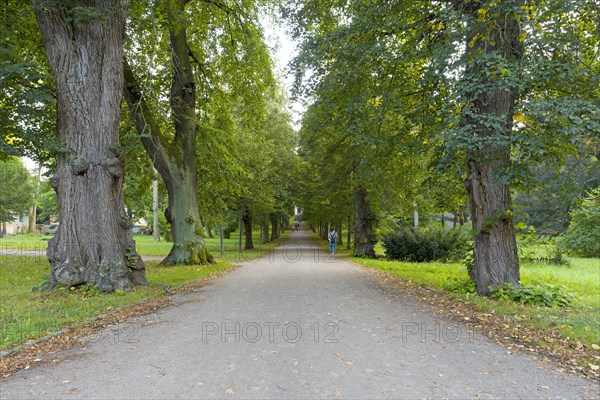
[526, 92]
[492, 43]
[222, 57]
[367, 86]
[175, 159]
[93, 244]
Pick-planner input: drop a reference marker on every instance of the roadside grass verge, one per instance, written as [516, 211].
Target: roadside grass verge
[26, 314]
[581, 279]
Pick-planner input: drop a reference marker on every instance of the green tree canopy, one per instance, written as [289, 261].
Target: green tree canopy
[17, 193]
[27, 96]
[583, 236]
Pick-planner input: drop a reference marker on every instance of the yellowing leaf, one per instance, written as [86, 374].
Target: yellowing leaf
[375, 101]
[519, 117]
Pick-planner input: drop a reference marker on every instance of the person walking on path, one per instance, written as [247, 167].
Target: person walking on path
[332, 240]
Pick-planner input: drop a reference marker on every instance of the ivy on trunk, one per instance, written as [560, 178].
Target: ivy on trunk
[492, 45]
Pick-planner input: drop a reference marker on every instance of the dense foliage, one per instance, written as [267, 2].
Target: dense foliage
[27, 95]
[408, 244]
[17, 189]
[583, 236]
[409, 100]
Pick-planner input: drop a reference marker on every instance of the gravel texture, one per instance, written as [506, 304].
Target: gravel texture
[293, 324]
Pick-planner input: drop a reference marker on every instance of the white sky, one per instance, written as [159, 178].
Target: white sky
[283, 50]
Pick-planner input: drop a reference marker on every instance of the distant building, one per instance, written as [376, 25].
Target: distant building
[20, 224]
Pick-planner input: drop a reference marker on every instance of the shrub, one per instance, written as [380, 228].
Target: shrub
[582, 238]
[407, 244]
[535, 248]
[536, 295]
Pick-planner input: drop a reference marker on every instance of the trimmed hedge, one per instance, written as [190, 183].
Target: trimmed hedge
[407, 244]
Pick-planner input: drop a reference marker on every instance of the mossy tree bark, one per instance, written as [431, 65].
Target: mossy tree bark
[174, 159]
[491, 121]
[93, 244]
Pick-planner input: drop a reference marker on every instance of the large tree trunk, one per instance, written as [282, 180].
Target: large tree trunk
[363, 224]
[349, 237]
[247, 220]
[265, 230]
[93, 243]
[274, 227]
[495, 248]
[495, 254]
[182, 214]
[175, 160]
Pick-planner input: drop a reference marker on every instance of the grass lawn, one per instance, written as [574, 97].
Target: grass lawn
[582, 279]
[146, 246]
[26, 315]
[27, 241]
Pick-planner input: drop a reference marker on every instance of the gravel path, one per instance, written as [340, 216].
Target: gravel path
[295, 324]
